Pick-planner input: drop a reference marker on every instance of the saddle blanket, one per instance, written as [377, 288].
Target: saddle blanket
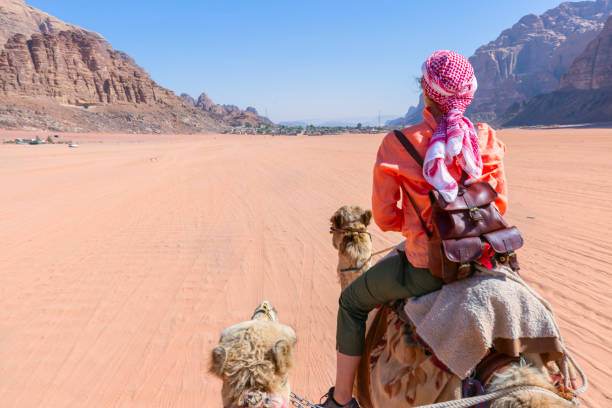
[464, 319]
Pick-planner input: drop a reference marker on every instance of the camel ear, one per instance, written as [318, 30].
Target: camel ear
[219, 354]
[366, 217]
[336, 220]
[283, 356]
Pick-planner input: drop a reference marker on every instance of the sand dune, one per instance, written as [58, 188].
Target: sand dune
[122, 262]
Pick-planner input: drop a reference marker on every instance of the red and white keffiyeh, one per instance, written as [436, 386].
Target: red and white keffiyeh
[448, 79]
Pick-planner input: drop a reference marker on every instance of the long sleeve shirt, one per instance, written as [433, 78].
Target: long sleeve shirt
[394, 167]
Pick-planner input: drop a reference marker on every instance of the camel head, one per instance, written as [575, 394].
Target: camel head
[349, 218]
[253, 358]
[519, 374]
[354, 244]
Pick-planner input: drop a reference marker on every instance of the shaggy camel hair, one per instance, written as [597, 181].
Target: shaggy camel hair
[254, 356]
[354, 245]
[525, 375]
[396, 373]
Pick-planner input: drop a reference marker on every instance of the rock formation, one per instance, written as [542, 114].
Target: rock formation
[593, 68]
[17, 17]
[585, 92]
[564, 107]
[56, 76]
[230, 114]
[530, 58]
[188, 99]
[75, 68]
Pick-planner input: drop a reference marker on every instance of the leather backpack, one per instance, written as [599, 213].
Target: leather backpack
[463, 226]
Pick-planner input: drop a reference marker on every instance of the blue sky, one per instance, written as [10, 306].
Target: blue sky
[295, 60]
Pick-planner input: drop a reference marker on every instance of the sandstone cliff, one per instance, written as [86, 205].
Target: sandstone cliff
[564, 107]
[56, 76]
[75, 68]
[17, 17]
[593, 68]
[529, 58]
[230, 114]
[585, 94]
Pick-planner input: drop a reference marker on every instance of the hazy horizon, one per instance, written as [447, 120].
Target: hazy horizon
[319, 60]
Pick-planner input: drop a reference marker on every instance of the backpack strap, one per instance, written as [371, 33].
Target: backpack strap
[409, 147]
[417, 157]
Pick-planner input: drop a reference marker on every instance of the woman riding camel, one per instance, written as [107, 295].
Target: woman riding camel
[451, 145]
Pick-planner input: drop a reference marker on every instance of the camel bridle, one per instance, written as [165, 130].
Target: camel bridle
[333, 230]
[350, 230]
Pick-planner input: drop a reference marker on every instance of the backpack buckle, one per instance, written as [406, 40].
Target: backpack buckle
[475, 214]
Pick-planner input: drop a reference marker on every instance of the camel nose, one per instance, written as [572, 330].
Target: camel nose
[265, 311]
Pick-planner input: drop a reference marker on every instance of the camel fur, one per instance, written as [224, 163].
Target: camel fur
[255, 355]
[519, 374]
[354, 248]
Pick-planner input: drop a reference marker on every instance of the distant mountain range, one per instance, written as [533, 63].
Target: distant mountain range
[365, 121]
[534, 57]
[59, 77]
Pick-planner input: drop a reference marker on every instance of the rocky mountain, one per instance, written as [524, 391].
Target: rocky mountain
[230, 114]
[585, 91]
[75, 68]
[56, 76]
[188, 99]
[530, 58]
[593, 68]
[17, 17]
[564, 107]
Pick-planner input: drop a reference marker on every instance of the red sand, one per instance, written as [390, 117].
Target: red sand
[123, 262]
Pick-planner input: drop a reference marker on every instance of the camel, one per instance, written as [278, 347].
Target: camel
[396, 371]
[354, 244]
[253, 358]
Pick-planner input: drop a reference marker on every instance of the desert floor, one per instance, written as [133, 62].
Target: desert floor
[121, 261]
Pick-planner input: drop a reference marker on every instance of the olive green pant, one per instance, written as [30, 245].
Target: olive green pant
[390, 279]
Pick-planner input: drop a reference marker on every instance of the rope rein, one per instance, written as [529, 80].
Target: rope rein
[298, 402]
[359, 231]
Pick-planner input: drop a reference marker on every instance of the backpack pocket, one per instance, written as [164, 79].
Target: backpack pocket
[462, 250]
[506, 240]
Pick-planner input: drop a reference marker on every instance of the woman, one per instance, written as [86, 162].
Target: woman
[449, 143]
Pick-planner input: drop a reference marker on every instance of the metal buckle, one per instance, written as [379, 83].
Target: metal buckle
[475, 214]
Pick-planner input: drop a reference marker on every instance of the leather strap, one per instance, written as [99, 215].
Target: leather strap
[416, 210]
[409, 147]
[490, 364]
[417, 157]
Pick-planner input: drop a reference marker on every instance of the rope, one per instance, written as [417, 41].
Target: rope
[360, 268]
[301, 402]
[383, 250]
[566, 354]
[468, 402]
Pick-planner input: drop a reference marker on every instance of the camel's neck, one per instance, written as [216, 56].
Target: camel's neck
[352, 262]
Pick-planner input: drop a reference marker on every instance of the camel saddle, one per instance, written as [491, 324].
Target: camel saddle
[466, 228]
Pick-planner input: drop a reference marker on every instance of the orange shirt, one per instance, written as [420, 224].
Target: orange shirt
[394, 165]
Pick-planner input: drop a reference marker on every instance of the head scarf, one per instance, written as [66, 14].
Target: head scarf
[448, 79]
